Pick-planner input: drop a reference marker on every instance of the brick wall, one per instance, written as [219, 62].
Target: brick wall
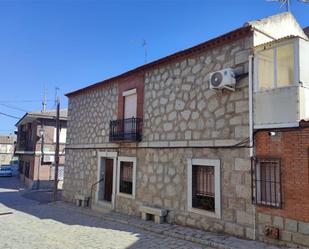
[134, 81]
[291, 145]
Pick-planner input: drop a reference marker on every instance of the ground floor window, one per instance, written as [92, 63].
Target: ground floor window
[204, 187]
[266, 184]
[126, 175]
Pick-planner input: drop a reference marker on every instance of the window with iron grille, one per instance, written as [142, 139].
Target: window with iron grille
[204, 191]
[266, 182]
[203, 187]
[126, 177]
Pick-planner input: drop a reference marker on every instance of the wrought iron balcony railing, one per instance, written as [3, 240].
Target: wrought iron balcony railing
[129, 129]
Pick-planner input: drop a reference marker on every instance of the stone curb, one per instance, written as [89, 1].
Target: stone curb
[211, 240]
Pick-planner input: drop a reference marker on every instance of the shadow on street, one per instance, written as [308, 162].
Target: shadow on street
[13, 198]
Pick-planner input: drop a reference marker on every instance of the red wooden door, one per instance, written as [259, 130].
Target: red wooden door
[108, 186]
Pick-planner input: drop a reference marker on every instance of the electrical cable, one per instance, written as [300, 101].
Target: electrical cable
[8, 115]
[23, 101]
[13, 107]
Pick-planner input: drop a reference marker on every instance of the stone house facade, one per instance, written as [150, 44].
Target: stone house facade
[35, 148]
[186, 148]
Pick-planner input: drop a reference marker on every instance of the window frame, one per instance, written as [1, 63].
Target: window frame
[64, 135]
[217, 169]
[255, 188]
[126, 159]
[274, 47]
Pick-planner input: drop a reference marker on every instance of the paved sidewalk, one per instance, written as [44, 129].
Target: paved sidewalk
[171, 230]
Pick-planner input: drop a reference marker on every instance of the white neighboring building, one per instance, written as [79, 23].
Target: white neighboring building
[6, 148]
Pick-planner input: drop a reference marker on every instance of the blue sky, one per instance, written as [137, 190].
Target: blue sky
[73, 43]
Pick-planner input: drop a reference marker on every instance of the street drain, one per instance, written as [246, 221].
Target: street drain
[6, 213]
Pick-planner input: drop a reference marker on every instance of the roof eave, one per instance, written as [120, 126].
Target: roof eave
[40, 117]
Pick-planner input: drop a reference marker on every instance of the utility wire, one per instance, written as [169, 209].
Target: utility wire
[7, 115]
[23, 101]
[14, 107]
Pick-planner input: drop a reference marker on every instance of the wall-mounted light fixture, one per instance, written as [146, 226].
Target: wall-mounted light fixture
[272, 133]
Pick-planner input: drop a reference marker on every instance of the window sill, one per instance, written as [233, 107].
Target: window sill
[125, 195]
[205, 213]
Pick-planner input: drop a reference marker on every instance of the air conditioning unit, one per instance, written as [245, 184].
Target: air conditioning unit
[48, 158]
[222, 79]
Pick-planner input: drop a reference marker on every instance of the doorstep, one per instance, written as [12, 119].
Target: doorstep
[221, 241]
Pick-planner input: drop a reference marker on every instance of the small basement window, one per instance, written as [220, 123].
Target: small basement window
[266, 184]
[275, 67]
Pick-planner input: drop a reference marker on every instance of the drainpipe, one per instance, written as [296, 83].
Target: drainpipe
[251, 121]
[251, 105]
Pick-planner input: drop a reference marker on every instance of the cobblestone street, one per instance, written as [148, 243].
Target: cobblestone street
[33, 224]
[29, 220]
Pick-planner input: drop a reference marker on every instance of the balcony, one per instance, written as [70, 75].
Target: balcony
[126, 130]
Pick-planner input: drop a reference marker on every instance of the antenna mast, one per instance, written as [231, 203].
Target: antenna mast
[287, 3]
[144, 44]
[56, 95]
[44, 100]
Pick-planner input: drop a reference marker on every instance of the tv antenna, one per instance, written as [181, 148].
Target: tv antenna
[144, 44]
[57, 99]
[44, 100]
[287, 3]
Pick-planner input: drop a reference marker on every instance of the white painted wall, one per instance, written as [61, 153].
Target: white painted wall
[276, 107]
[304, 103]
[304, 62]
[277, 26]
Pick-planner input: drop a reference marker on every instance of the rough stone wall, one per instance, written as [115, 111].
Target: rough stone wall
[161, 180]
[79, 174]
[292, 233]
[180, 106]
[89, 115]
